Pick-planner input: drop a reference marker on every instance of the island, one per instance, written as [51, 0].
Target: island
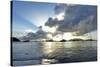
[76, 39]
[63, 40]
[14, 39]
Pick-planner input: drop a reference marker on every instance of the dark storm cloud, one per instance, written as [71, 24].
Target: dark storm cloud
[52, 22]
[81, 18]
[87, 25]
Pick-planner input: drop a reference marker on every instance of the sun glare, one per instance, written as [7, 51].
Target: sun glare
[49, 36]
[57, 37]
[68, 36]
[60, 16]
[49, 29]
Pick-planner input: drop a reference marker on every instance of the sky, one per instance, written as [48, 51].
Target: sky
[55, 19]
[30, 15]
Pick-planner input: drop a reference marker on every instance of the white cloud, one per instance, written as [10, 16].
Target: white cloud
[60, 16]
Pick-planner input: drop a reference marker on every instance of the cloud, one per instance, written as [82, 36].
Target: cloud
[87, 25]
[40, 34]
[78, 18]
[28, 36]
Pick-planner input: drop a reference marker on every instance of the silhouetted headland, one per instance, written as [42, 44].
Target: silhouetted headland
[50, 40]
[76, 39]
[26, 41]
[63, 40]
[15, 39]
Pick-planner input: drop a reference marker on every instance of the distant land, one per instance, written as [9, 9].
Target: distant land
[78, 39]
[14, 39]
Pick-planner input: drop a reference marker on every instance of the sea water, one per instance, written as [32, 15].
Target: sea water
[32, 53]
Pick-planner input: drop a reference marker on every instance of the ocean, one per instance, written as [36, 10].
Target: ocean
[33, 53]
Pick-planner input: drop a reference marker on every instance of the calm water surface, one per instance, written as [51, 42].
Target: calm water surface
[30, 53]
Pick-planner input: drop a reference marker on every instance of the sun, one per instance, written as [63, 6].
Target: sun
[50, 29]
[57, 37]
[59, 16]
[49, 36]
[68, 36]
